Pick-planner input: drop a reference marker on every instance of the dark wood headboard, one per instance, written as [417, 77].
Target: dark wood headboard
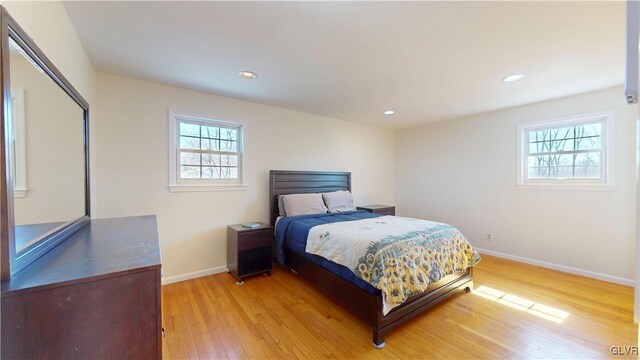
[298, 182]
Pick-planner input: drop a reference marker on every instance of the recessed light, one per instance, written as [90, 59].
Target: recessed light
[389, 112]
[512, 78]
[248, 75]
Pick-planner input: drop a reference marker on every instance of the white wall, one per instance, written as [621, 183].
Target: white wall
[463, 172]
[133, 165]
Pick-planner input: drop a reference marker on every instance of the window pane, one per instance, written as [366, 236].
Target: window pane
[228, 134]
[210, 173]
[581, 137]
[189, 129]
[230, 146]
[229, 160]
[562, 166]
[534, 161]
[593, 129]
[210, 132]
[536, 147]
[187, 158]
[561, 160]
[588, 172]
[561, 171]
[551, 146]
[588, 159]
[545, 166]
[211, 144]
[536, 172]
[562, 145]
[233, 173]
[562, 133]
[539, 136]
[210, 160]
[189, 143]
[190, 172]
[589, 143]
[227, 172]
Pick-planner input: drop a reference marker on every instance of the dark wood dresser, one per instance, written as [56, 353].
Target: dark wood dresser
[97, 295]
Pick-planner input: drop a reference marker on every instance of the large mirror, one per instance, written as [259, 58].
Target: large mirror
[48, 169]
[46, 151]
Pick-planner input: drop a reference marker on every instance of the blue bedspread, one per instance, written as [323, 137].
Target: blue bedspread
[293, 232]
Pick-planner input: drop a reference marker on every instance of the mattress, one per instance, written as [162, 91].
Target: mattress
[292, 233]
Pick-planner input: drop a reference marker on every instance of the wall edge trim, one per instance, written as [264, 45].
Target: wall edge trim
[558, 267]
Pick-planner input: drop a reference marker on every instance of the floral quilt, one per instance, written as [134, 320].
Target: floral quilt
[400, 256]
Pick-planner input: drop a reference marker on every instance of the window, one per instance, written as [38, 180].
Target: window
[205, 154]
[18, 142]
[566, 153]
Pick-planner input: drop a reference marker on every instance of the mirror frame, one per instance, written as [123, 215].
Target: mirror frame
[10, 262]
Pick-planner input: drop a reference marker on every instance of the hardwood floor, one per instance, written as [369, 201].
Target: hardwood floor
[516, 311]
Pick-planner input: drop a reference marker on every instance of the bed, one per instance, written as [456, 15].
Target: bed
[339, 283]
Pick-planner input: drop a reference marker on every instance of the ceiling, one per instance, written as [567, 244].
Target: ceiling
[428, 61]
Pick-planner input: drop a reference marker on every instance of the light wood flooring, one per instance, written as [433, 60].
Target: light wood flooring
[516, 311]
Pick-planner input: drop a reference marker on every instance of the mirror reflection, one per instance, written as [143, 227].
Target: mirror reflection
[48, 164]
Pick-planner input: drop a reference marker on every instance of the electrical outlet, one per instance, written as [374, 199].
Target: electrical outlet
[489, 237]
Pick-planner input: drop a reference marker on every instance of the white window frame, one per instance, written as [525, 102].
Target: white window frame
[608, 131]
[18, 142]
[176, 184]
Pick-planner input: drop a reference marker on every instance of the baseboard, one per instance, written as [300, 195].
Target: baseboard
[548, 265]
[193, 275]
[563, 268]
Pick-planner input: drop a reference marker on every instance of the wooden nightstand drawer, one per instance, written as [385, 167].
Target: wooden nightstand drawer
[379, 209]
[249, 250]
[255, 239]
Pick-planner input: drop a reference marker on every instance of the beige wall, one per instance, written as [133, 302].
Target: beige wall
[134, 168]
[463, 172]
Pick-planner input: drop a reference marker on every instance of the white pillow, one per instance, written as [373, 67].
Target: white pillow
[339, 201]
[303, 204]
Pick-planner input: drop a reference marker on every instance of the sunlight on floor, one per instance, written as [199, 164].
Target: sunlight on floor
[531, 307]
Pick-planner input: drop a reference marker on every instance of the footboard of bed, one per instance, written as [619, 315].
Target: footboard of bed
[436, 292]
[368, 307]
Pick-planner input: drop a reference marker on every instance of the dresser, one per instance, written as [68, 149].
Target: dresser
[96, 295]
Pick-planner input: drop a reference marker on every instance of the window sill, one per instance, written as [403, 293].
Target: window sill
[221, 187]
[567, 187]
[19, 193]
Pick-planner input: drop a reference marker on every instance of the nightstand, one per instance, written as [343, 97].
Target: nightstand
[379, 209]
[249, 251]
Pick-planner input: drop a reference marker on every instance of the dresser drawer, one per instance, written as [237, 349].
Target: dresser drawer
[255, 239]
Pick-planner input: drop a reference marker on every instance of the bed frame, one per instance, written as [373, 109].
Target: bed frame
[361, 304]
